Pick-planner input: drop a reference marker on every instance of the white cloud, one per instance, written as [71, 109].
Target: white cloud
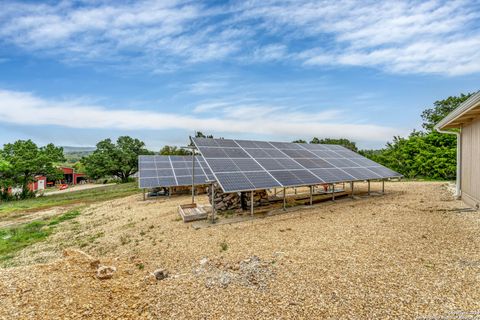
[26, 109]
[436, 36]
[147, 32]
[396, 36]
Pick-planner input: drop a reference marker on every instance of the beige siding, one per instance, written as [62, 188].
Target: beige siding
[471, 163]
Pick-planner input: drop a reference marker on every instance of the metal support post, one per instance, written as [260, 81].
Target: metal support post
[143, 194]
[383, 186]
[213, 203]
[311, 195]
[368, 181]
[333, 191]
[351, 189]
[284, 200]
[251, 203]
[193, 176]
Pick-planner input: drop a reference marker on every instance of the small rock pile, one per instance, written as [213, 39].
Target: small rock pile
[251, 272]
[79, 257]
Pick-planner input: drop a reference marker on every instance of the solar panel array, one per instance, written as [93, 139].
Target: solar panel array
[242, 165]
[171, 171]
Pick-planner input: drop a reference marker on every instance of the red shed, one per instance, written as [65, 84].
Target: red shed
[40, 183]
[72, 177]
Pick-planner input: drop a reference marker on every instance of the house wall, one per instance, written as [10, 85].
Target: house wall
[471, 163]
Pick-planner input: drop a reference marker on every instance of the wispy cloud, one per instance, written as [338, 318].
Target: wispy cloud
[397, 36]
[436, 36]
[27, 109]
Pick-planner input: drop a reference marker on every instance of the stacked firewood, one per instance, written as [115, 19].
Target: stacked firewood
[260, 198]
[232, 201]
[225, 201]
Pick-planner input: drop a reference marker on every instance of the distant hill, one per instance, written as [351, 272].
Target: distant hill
[74, 154]
[69, 149]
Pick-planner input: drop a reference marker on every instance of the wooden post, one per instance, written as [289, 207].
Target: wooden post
[275, 191]
[169, 192]
[311, 195]
[383, 186]
[213, 204]
[295, 190]
[144, 194]
[368, 181]
[284, 200]
[333, 191]
[351, 188]
[193, 176]
[251, 203]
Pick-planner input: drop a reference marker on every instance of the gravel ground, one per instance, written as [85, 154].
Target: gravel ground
[413, 253]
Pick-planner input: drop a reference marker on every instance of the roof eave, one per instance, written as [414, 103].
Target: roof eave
[463, 114]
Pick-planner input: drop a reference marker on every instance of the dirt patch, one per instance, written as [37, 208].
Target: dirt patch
[412, 253]
[75, 188]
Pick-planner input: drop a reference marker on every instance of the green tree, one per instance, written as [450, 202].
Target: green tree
[440, 109]
[420, 155]
[5, 179]
[26, 160]
[343, 142]
[425, 154]
[199, 134]
[299, 141]
[118, 159]
[173, 150]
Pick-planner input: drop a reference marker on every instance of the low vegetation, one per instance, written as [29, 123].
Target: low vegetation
[69, 198]
[17, 238]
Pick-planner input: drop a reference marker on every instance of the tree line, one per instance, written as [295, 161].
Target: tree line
[423, 154]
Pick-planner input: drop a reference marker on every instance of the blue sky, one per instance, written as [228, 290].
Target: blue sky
[76, 72]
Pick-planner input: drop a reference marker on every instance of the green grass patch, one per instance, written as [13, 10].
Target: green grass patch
[223, 246]
[76, 197]
[17, 238]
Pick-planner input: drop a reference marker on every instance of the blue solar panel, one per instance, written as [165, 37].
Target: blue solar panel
[234, 181]
[284, 164]
[332, 175]
[171, 171]
[261, 180]
[286, 178]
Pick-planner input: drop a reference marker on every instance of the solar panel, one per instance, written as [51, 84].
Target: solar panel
[244, 165]
[172, 171]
